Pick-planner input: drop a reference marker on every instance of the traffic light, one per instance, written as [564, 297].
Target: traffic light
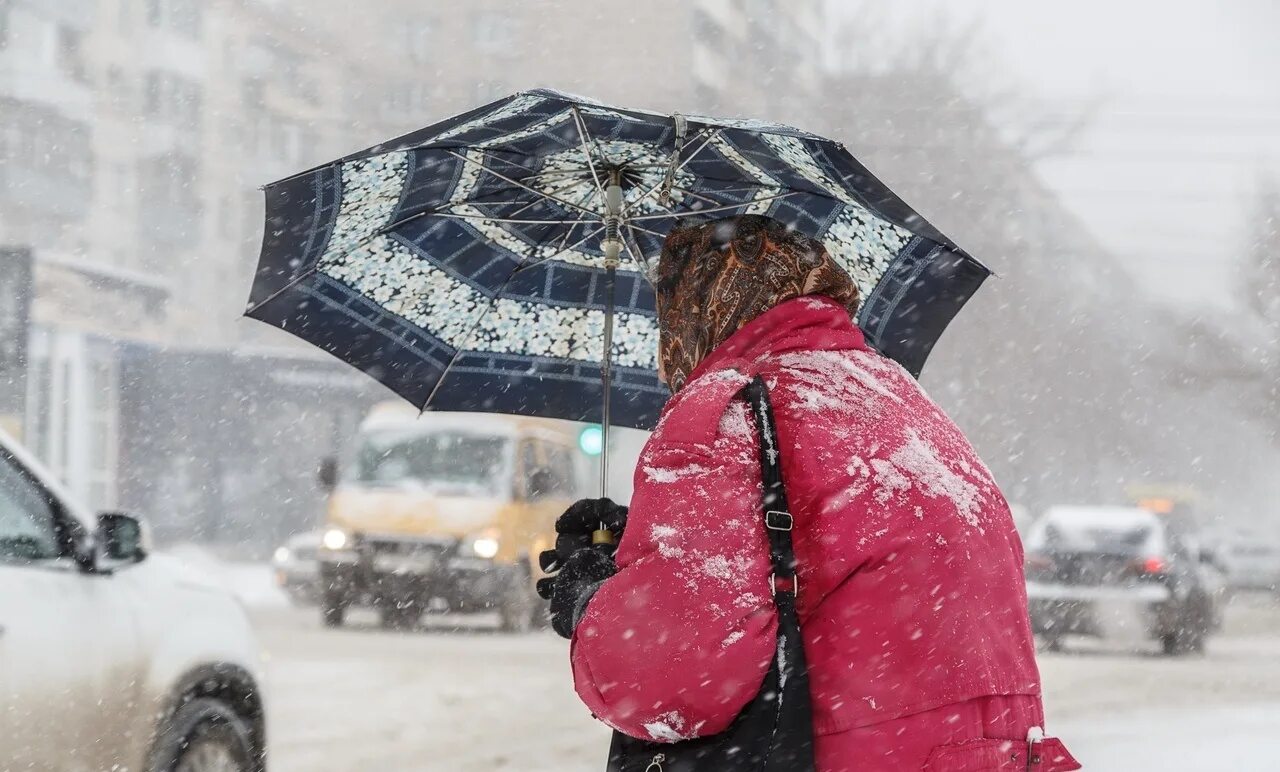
[591, 440]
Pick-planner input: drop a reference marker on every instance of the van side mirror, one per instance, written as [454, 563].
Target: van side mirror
[122, 538]
[327, 475]
[540, 484]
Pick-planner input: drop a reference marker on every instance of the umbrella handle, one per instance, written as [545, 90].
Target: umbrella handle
[603, 536]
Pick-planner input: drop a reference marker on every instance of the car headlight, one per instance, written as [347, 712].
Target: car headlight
[334, 539]
[281, 554]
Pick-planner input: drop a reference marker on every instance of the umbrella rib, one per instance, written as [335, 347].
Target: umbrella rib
[455, 216]
[646, 230]
[713, 210]
[584, 170]
[709, 136]
[528, 204]
[698, 196]
[637, 256]
[466, 338]
[568, 234]
[290, 285]
[586, 151]
[557, 253]
[481, 317]
[523, 186]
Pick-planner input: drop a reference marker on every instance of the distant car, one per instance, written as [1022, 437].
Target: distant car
[1252, 563]
[297, 568]
[112, 658]
[1083, 562]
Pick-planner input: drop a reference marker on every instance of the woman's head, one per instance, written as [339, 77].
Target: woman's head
[714, 277]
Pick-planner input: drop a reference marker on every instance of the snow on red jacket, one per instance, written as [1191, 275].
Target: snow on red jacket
[911, 593]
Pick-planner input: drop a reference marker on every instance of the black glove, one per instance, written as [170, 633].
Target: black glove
[578, 579]
[575, 526]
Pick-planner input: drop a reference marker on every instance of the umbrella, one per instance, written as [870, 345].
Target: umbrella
[499, 260]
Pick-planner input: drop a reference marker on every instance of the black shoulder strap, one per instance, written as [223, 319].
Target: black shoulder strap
[777, 512]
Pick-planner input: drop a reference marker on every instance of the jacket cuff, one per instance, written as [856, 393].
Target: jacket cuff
[580, 606]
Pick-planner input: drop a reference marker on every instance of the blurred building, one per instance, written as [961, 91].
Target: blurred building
[136, 134]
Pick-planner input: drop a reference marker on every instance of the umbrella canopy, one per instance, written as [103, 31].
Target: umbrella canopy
[475, 264]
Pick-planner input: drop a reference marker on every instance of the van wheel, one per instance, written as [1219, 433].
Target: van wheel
[399, 616]
[204, 736]
[519, 605]
[333, 610]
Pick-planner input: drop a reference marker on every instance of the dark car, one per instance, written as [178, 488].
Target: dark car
[1088, 565]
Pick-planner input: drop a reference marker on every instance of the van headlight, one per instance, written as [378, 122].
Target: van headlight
[484, 545]
[335, 539]
[281, 554]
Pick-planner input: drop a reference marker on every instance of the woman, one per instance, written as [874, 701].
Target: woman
[911, 595]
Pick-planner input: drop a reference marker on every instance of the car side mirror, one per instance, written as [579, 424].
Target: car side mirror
[122, 538]
[327, 475]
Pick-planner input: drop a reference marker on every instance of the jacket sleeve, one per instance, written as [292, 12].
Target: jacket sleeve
[679, 640]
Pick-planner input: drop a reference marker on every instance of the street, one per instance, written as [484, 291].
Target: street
[464, 698]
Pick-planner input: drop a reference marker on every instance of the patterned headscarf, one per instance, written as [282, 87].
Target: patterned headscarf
[714, 277]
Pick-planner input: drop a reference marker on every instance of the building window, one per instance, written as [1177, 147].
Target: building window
[5, 6]
[71, 53]
[489, 90]
[117, 93]
[103, 431]
[184, 17]
[494, 31]
[708, 31]
[418, 41]
[172, 97]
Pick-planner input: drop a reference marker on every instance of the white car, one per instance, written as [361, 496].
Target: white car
[297, 568]
[111, 658]
[1252, 562]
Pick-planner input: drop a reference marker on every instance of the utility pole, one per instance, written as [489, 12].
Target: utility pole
[15, 323]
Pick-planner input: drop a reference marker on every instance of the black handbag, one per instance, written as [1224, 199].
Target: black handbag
[774, 732]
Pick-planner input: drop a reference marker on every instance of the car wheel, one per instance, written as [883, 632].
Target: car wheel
[204, 736]
[333, 610]
[1051, 643]
[1185, 640]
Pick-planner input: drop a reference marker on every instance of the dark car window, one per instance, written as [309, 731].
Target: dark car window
[28, 527]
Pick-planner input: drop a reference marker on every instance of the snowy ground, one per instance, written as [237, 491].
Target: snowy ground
[444, 698]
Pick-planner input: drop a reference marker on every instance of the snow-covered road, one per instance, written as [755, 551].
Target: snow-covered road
[443, 699]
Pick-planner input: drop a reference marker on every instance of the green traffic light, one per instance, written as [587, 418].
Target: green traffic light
[591, 440]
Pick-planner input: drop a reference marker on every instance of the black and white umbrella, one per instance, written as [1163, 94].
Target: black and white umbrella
[489, 262]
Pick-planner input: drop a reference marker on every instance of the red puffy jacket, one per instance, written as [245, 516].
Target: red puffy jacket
[911, 593]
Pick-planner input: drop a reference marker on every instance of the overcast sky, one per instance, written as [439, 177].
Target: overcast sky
[1186, 96]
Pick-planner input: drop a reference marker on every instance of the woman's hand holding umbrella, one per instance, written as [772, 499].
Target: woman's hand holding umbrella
[581, 560]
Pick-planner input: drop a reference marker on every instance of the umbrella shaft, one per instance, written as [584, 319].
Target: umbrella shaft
[606, 379]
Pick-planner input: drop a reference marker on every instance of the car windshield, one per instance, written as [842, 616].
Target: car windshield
[443, 462]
